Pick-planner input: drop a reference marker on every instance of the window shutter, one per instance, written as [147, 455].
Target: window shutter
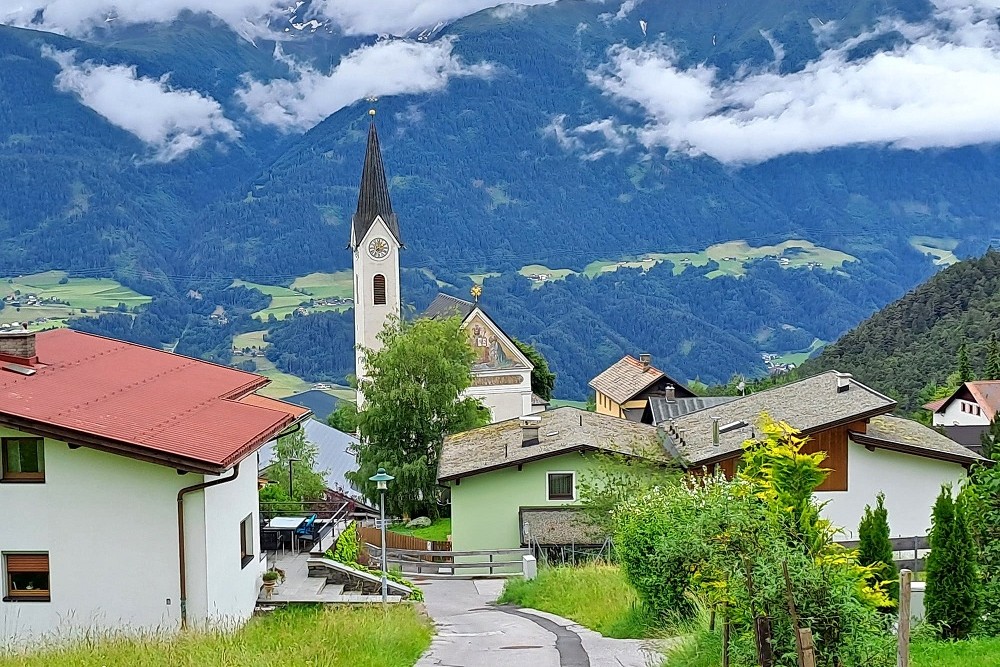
[27, 562]
[378, 285]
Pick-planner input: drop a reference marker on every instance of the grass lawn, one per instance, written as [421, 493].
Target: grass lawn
[86, 293]
[297, 637]
[439, 531]
[941, 250]
[594, 595]
[799, 358]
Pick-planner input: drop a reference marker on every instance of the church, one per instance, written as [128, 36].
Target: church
[501, 374]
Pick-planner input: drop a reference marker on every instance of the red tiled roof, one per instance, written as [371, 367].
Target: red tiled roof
[986, 394]
[933, 406]
[142, 402]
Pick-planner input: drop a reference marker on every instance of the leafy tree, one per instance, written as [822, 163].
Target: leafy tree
[543, 381]
[982, 500]
[990, 438]
[614, 479]
[875, 549]
[965, 373]
[412, 401]
[952, 595]
[308, 484]
[992, 371]
[344, 418]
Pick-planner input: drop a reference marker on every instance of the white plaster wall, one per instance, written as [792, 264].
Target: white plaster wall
[506, 401]
[370, 319]
[109, 524]
[231, 588]
[911, 485]
[953, 415]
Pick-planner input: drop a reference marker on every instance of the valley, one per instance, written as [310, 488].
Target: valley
[51, 299]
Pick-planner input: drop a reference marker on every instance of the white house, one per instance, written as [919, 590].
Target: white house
[501, 374]
[128, 488]
[973, 404]
[868, 449]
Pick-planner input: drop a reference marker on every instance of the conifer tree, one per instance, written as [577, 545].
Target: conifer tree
[965, 373]
[993, 359]
[952, 596]
[990, 438]
[876, 547]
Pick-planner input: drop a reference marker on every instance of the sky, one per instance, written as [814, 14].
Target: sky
[940, 89]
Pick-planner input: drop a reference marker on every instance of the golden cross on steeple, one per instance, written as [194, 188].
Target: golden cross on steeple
[477, 291]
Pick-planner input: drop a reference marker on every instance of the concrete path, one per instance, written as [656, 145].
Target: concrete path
[473, 632]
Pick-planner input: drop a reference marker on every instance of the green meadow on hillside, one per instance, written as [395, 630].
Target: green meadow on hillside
[75, 296]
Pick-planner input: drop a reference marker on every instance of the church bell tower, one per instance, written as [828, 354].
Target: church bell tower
[375, 244]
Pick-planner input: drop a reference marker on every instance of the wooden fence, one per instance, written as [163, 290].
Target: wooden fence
[903, 545]
[370, 535]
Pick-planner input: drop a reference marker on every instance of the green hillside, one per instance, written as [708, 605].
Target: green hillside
[913, 343]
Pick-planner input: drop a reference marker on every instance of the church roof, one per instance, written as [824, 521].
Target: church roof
[445, 305]
[373, 195]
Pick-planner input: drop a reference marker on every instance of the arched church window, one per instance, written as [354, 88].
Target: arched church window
[378, 285]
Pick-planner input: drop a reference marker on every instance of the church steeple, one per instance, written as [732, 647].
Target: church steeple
[373, 195]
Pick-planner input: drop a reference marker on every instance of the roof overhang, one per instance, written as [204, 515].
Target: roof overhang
[904, 448]
[539, 457]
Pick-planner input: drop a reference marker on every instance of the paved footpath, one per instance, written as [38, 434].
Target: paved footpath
[473, 632]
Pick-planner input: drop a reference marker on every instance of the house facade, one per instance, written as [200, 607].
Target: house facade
[517, 482]
[868, 449]
[626, 388]
[128, 486]
[501, 374]
[966, 414]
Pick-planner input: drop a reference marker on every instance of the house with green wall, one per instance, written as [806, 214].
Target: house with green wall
[517, 482]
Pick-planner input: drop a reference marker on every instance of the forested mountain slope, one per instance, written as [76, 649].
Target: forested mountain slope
[912, 344]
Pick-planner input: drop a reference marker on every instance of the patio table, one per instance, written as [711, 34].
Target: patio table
[286, 523]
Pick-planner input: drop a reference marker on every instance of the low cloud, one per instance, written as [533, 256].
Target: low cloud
[591, 141]
[393, 67]
[360, 17]
[171, 122]
[939, 88]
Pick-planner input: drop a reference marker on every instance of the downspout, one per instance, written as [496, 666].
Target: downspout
[180, 534]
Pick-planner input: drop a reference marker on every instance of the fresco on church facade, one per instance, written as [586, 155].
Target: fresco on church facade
[492, 351]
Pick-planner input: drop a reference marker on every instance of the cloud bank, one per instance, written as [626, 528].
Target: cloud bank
[393, 67]
[359, 17]
[940, 88]
[171, 122]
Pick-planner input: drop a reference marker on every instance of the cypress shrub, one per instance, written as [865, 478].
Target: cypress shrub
[875, 549]
[952, 595]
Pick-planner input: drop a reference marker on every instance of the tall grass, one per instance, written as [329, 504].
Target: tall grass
[295, 637]
[596, 596]
[970, 653]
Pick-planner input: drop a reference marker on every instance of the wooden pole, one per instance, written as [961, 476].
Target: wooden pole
[794, 614]
[903, 635]
[725, 634]
[807, 647]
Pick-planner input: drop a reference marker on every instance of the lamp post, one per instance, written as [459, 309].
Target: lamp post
[382, 479]
[291, 460]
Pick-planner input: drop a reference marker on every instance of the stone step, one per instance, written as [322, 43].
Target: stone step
[331, 589]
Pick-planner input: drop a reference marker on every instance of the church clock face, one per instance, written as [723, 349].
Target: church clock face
[378, 248]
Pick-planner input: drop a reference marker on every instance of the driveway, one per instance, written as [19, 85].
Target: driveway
[473, 632]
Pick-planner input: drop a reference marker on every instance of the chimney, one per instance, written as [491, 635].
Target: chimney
[670, 393]
[18, 346]
[715, 431]
[843, 382]
[645, 359]
[529, 430]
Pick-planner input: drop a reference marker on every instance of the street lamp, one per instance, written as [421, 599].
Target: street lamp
[382, 479]
[291, 460]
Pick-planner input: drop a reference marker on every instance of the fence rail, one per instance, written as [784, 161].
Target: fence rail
[903, 545]
[421, 561]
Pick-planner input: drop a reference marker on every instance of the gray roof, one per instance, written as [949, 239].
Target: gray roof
[808, 405]
[334, 456]
[664, 410]
[560, 431]
[444, 305]
[906, 435]
[373, 194]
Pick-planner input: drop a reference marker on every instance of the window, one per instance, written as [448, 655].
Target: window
[562, 486]
[23, 460]
[27, 577]
[246, 541]
[378, 285]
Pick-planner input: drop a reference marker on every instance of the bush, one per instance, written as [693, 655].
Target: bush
[347, 550]
[952, 595]
[875, 549]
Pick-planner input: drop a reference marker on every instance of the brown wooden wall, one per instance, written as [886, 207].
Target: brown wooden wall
[832, 441]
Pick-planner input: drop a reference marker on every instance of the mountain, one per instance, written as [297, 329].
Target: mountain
[912, 344]
[517, 158]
